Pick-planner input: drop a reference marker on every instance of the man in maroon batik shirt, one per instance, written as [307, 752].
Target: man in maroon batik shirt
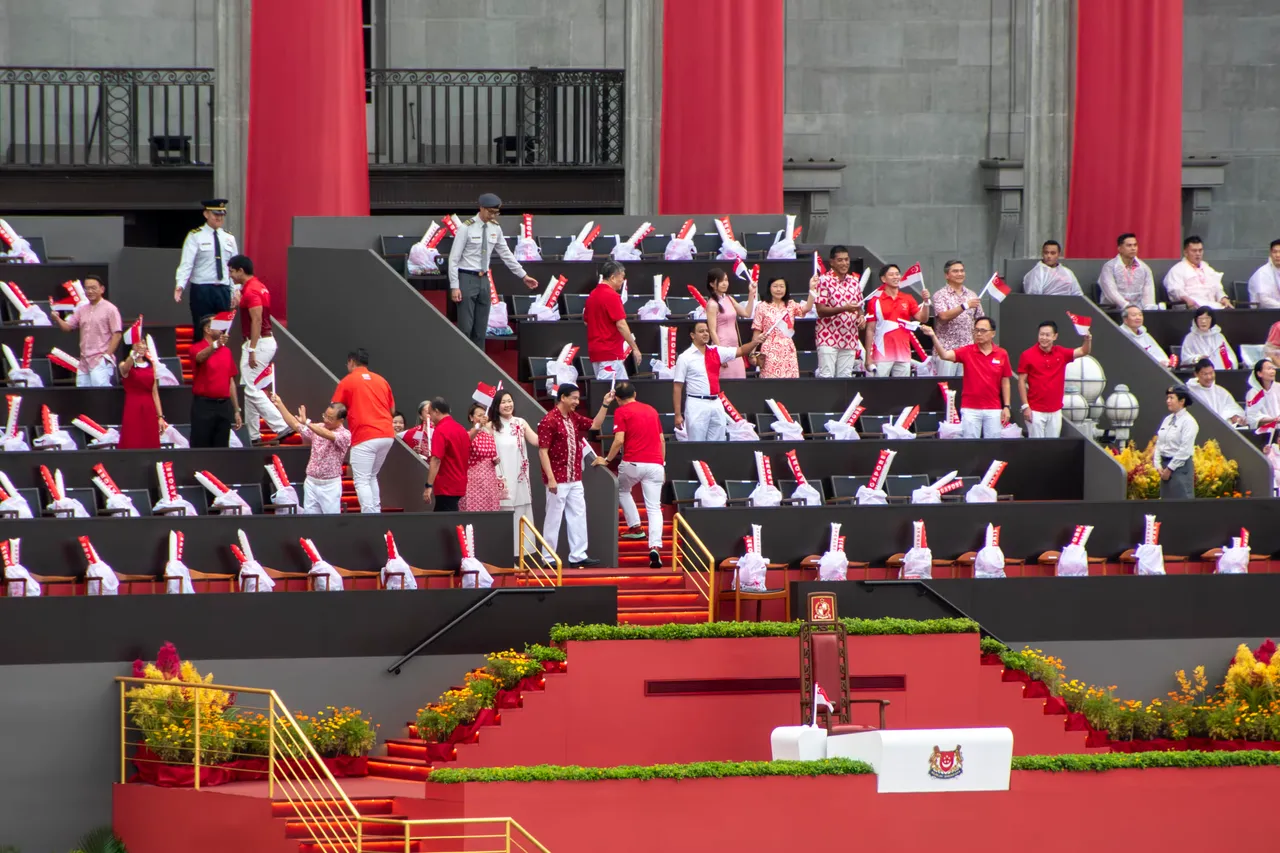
[561, 437]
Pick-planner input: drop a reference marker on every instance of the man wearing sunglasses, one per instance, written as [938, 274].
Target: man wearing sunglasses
[473, 245]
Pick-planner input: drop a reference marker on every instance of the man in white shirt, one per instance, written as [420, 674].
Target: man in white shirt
[1192, 281]
[1125, 280]
[475, 242]
[205, 253]
[1135, 331]
[1264, 284]
[697, 377]
[1050, 277]
[1214, 396]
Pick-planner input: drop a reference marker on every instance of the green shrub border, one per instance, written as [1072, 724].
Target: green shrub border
[1095, 763]
[732, 630]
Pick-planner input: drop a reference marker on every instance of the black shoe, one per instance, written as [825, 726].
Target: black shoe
[283, 434]
[585, 564]
[655, 559]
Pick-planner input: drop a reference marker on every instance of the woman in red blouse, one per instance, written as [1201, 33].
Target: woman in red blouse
[484, 488]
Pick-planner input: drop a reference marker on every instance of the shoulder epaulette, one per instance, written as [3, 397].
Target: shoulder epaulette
[195, 230]
[469, 221]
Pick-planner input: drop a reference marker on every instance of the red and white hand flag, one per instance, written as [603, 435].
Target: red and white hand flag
[222, 321]
[996, 287]
[913, 277]
[266, 378]
[133, 334]
[1083, 325]
[485, 394]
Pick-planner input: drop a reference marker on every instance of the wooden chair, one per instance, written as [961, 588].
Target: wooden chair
[1131, 562]
[1261, 561]
[1050, 558]
[810, 564]
[824, 661]
[418, 574]
[90, 589]
[968, 558]
[18, 589]
[203, 576]
[345, 574]
[729, 567]
[250, 584]
[895, 562]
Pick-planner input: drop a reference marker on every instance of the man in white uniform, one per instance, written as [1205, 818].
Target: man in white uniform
[1264, 284]
[697, 376]
[1192, 281]
[1050, 277]
[1125, 280]
[476, 240]
[1214, 396]
[1136, 332]
[205, 253]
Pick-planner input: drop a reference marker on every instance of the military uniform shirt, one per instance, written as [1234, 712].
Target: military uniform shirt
[199, 263]
[468, 254]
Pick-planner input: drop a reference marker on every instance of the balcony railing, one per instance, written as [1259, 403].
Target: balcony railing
[511, 118]
[106, 116]
[418, 118]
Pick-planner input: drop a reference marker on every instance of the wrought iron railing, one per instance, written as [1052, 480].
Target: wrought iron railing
[106, 116]
[518, 118]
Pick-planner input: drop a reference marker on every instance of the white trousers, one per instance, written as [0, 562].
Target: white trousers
[95, 377]
[366, 461]
[834, 362]
[519, 511]
[610, 369]
[704, 420]
[893, 368]
[1044, 424]
[980, 423]
[569, 503]
[650, 476]
[256, 402]
[321, 497]
[947, 368]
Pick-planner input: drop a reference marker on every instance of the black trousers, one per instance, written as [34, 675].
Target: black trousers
[447, 503]
[208, 299]
[211, 421]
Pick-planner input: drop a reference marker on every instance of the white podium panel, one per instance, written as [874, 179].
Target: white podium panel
[930, 760]
[799, 743]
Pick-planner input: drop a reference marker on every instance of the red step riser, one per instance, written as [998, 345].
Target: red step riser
[404, 750]
[339, 829]
[367, 847]
[283, 808]
[399, 771]
[689, 618]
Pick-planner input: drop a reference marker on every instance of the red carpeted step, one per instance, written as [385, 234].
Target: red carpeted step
[368, 847]
[636, 561]
[639, 578]
[683, 617]
[368, 806]
[414, 747]
[388, 767]
[631, 547]
[659, 600]
[340, 828]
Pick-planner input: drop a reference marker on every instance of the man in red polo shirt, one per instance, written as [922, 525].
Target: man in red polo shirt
[450, 452]
[984, 396]
[607, 328]
[889, 349]
[259, 348]
[214, 406]
[1042, 375]
[637, 435]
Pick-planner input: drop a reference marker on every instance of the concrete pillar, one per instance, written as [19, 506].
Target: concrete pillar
[643, 34]
[1051, 31]
[231, 108]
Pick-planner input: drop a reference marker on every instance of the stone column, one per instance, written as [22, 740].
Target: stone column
[1050, 28]
[643, 35]
[231, 109]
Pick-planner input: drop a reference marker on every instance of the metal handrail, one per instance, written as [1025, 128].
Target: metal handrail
[535, 566]
[394, 669]
[308, 785]
[683, 540]
[926, 589]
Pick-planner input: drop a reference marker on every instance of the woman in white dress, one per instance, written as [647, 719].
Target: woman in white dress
[514, 436]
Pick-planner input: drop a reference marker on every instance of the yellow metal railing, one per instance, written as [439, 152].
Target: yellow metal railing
[265, 728]
[694, 560]
[531, 561]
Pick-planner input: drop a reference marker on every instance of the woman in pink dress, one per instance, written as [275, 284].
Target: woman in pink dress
[484, 489]
[776, 320]
[143, 419]
[723, 312]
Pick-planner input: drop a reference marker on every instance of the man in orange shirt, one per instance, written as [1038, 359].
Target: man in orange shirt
[369, 403]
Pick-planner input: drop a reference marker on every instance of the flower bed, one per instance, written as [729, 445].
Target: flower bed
[734, 630]
[1243, 713]
[234, 740]
[1215, 475]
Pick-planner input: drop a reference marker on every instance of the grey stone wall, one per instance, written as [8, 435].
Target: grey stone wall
[904, 93]
[1231, 107]
[128, 33]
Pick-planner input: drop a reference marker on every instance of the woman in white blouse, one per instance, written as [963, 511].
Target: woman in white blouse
[514, 436]
[1175, 446]
[1262, 397]
[1205, 340]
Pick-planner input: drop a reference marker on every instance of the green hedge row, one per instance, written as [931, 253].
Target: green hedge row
[845, 767]
[717, 630]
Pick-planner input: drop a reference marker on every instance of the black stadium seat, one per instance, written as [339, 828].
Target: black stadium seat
[553, 247]
[789, 486]
[708, 244]
[816, 423]
[845, 488]
[683, 491]
[901, 486]
[574, 304]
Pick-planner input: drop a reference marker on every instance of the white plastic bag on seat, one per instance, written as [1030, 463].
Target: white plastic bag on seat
[917, 564]
[842, 432]
[1011, 430]
[1234, 560]
[980, 494]
[807, 493]
[742, 430]
[1150, 559]
[766, 495]
[752, 572]
[946, 429]
[1073, 562]
[989, 563]
[710, 497]
[926, 495]
[474, 574]
[868, 496]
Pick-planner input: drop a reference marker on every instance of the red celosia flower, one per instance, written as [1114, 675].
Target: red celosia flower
[1265, 651]
[139, 669]
[168, 661]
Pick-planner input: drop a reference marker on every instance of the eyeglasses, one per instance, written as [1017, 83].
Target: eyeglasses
[976, 330]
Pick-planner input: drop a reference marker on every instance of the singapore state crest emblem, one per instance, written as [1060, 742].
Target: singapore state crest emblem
[946, 765]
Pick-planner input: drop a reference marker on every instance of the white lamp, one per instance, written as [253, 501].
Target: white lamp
[1075, 408]
[1086, 376]
[1122, 411]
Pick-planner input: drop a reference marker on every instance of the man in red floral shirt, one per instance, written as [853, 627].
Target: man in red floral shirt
[839, 305]
[561, 437]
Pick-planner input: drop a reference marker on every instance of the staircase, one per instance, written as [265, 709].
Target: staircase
[299, 820]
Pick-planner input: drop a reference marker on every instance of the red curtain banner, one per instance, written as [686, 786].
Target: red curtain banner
[307, 140]
[722, 85]
[1126, 156]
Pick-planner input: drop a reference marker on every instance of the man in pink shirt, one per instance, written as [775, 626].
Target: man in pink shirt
[99, 324]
